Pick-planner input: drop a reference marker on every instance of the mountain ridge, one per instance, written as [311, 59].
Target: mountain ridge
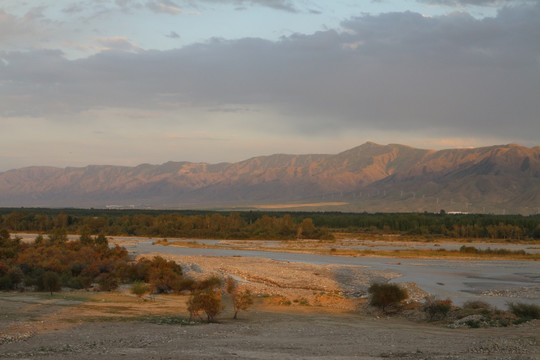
[369, 177]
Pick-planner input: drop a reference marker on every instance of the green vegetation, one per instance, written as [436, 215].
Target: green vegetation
[241, 299]
[267, 225]
[436, 308]
[49, 281]
[205, 301]
[386, 295]
[525, 312]
[52, 262]
[139, 289]
[159, 224]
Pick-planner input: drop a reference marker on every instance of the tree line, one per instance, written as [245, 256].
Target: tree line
[206, 225]
[267, 225]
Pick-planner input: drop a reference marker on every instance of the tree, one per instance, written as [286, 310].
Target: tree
[210, 283]
[241, 300]
[207, 301]
[58, 236]
[385, 295]
[86, 237]
[50, 281]
[101, 240]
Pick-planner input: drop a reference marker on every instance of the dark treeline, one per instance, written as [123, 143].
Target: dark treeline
[247, 225]
[266, 225]
[480, 226]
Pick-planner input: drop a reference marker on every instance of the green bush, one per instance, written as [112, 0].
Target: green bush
[49, 281]
[386, 295]
[478, 307]
[139, 288]
[525, 312]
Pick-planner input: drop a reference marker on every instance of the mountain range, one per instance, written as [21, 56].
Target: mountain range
[370, 177]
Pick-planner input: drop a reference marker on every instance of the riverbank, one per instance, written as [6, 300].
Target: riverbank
[355, 248]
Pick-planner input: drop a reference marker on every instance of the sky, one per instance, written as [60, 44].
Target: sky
[126, 82]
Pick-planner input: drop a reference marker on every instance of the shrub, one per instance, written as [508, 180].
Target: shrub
[385, 295]
[139, 289]
[242, 300]
[107, 282]
[477, 306]
[525, 312]
[437, 308]
[210, 283]
[207, 301]
[186, 284]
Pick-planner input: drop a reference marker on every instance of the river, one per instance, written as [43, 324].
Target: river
[496, 282]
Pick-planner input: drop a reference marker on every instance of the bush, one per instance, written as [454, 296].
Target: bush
[186, 284]
[385, 295]
[107, 282]
[478, 307]
[242, 300]
[207, 301]
[437, 308]
[525, 312]
[210, 283]
[49, 281]
[139, 289]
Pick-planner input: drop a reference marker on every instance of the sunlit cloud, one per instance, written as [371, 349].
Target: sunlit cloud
[164, 6]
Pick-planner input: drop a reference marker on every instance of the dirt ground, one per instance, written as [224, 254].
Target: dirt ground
[112, 326]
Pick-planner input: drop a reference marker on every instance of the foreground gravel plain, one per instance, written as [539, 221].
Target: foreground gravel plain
[263, 334]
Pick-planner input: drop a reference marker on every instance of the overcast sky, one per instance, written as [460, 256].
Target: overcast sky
[148, 81]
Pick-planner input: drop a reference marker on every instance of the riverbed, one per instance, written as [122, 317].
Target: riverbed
[494, 281]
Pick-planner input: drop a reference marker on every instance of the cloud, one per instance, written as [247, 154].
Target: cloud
[284, 5]
[173, 35]
[164, 7]
[452, 75]
[497, 3]
[14, 29]
[117, 43]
